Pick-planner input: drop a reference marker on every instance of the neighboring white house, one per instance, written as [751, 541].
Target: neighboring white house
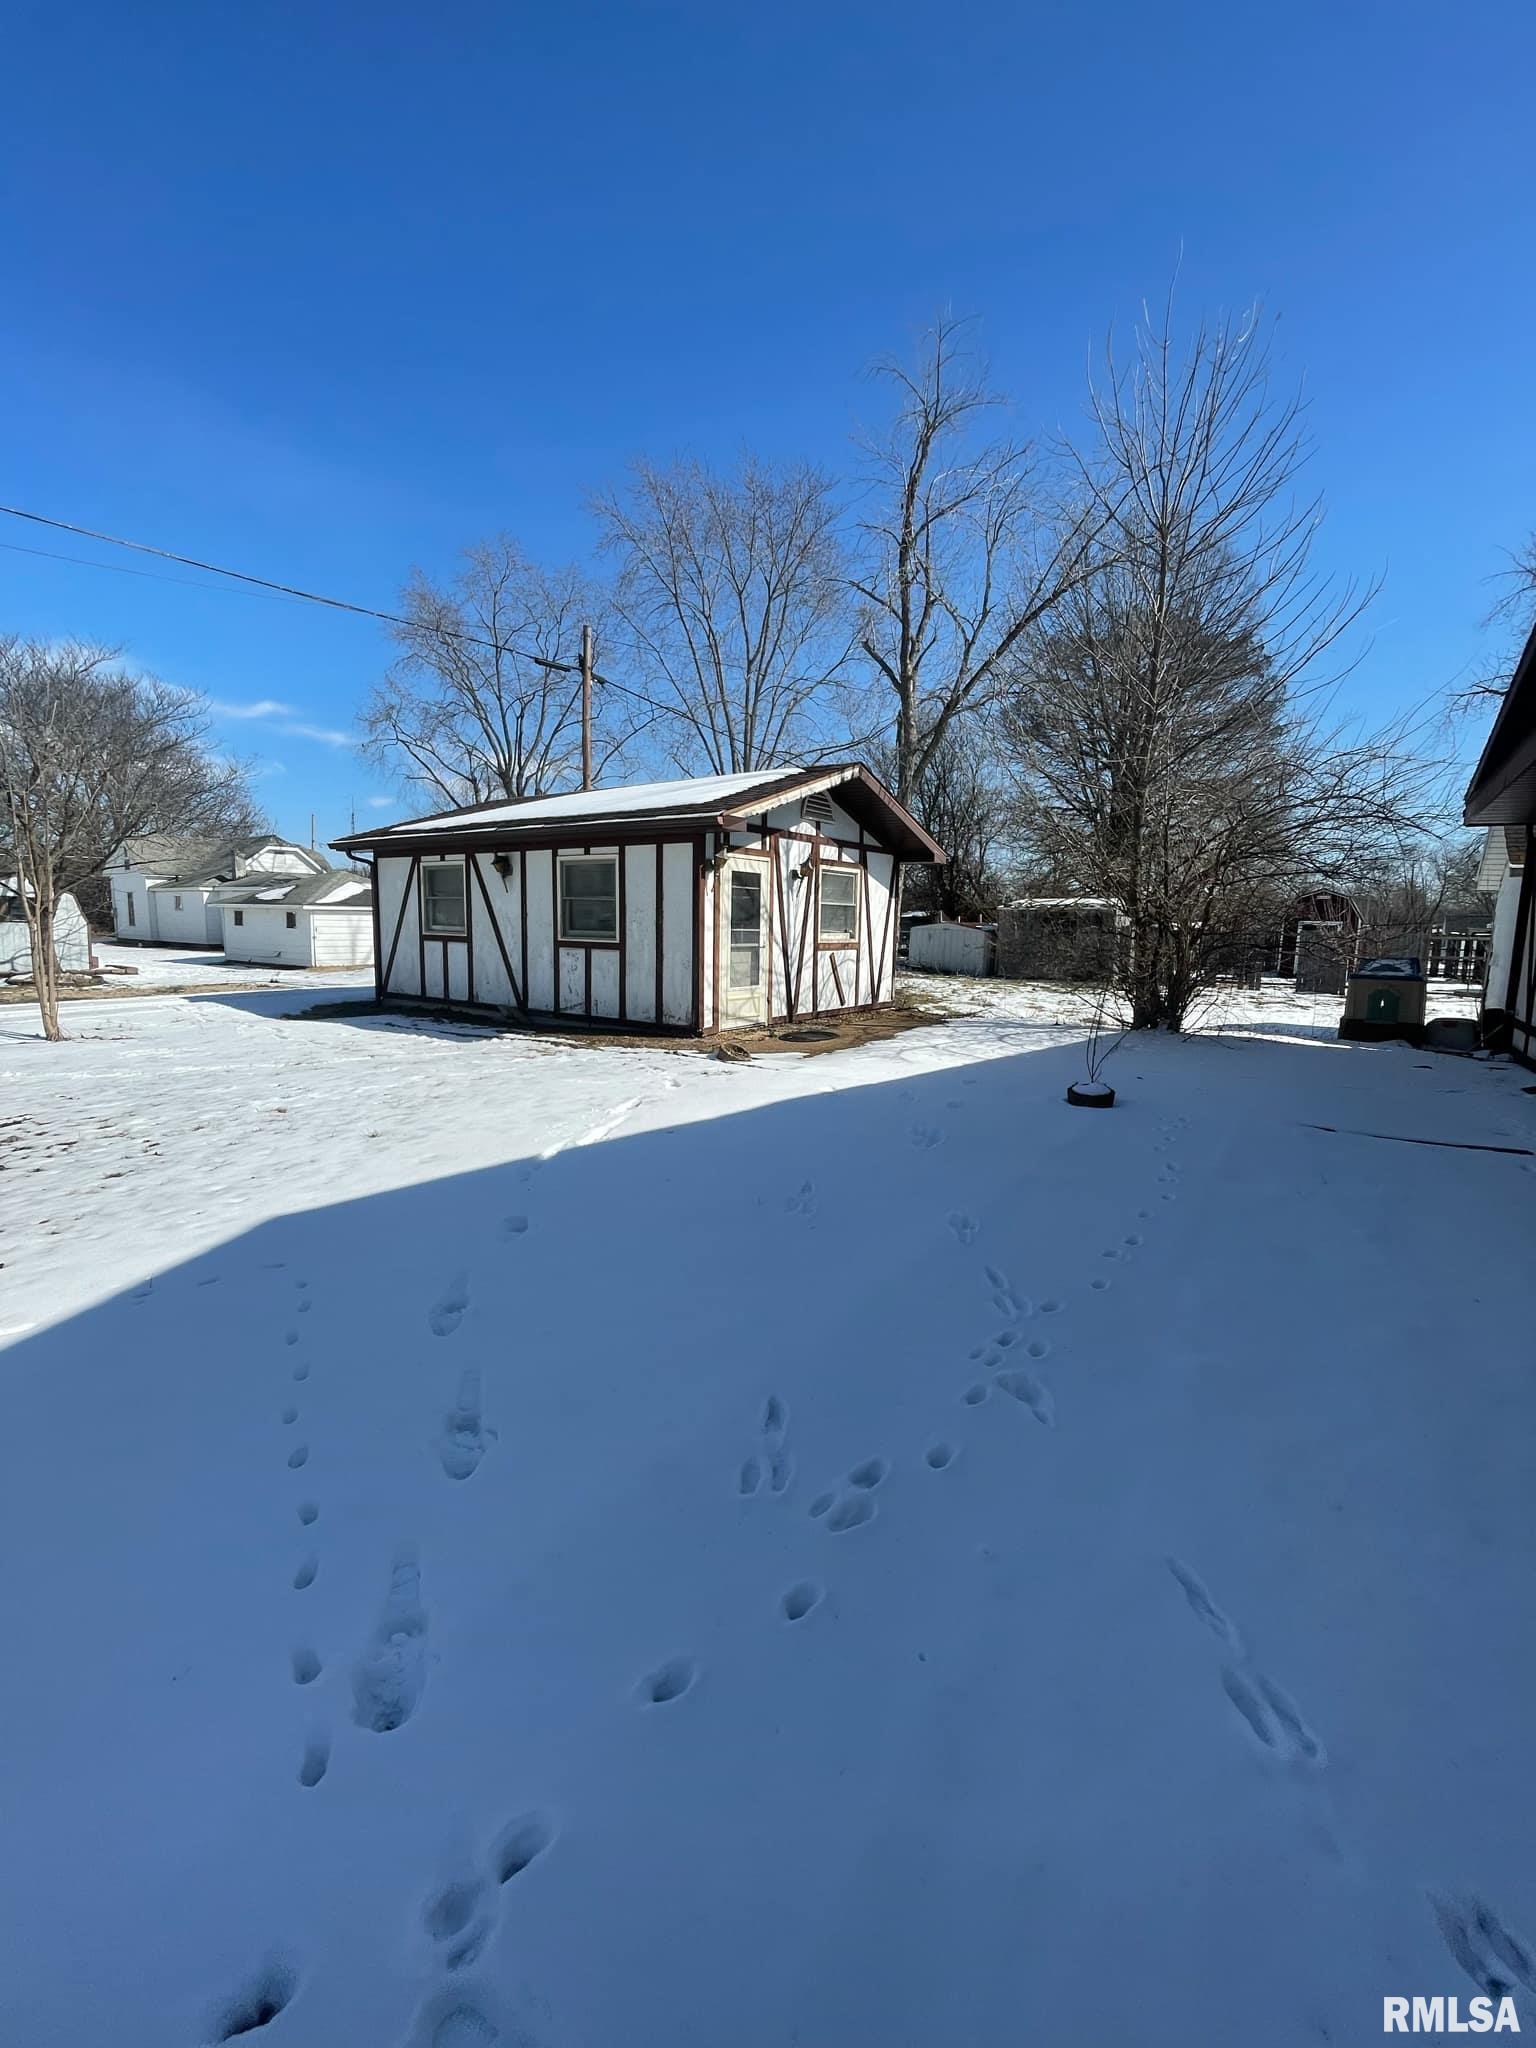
[1499, 875]
[71, 937]
[684, 906]
[164, 889]
[300, 920]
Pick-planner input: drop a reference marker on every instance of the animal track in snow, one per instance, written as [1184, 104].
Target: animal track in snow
[301, 1370]
[1051, 1306]
[454, 1916]
[290, 1336]
[1037, 1348]
[1204, 1608]
[965, 1227]
[465, 1436]
[775, 1419]
[305, 1307]
[298, 1457]
[513, 1226]
[1272, 1717]
[447, 1311]
[781, 1471]
[851, 1512]
[290, 1414]
[259, 2004]
[1099, 1286]
[308, 1512]
[667, 1682]
[803, 1203]
[1025, 1388]
[974, 1395]
[388, 1678]
[306, 1667]
[797, 1603]
[304, 1577]
[1492, 1957]
[520, 1842]
[925, 1136]
[465, 2026]
[316, 1762]
[750, 1478]
[939, 1457]
[1133, 1240]
[869, 1475]
[820, 1504]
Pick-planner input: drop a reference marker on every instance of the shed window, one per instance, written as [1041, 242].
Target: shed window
[291, 919]
[239, 917]
[176, 902]
[133, 916]
[443, 897]
[838, 921]
[589, 898]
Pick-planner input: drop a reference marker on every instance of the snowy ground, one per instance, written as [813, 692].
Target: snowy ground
[523, 1542]
[193, 966]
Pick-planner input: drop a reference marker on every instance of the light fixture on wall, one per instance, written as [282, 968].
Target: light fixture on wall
[804, 871]
[502, 863]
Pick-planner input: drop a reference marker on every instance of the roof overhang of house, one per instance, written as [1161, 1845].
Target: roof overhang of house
[861, 794]
[1503, 786]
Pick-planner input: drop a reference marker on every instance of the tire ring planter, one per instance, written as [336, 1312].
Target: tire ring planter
[1091, 1095]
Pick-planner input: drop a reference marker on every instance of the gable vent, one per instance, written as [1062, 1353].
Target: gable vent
[818, 808]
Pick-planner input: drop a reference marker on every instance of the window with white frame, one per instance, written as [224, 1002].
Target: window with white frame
[589, 898]
[837, 922]
[443, 898]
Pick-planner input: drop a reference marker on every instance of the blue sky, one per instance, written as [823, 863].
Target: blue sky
[325, 291]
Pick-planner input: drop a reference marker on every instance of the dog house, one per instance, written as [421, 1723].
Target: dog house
[1385, 999]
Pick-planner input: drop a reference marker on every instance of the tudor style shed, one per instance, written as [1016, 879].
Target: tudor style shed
[693, 906]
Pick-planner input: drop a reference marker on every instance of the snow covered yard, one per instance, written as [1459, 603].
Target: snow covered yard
[520, 1541]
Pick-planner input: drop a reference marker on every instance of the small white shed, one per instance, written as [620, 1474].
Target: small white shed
[165, 888]
[693, 906]
[299, 920]
[71, 935]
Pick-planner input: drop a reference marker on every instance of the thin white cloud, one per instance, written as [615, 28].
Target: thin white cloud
[264, 707]
[379, 803]
[326, 734]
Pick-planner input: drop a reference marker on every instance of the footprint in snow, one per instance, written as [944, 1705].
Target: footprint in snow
[965, 1227]
[290, 1414]
[974, 1395]
[301, 1370]
[306, 1573]
[798, 1602]
[1497, 1962]
[447, 1312]
[869, 1475]
[316, 1760]
[388, 1679]
[455, 1919]
[521, 1842]
[1027, 1390]
[513, 1226]
[750, 1478]
[306, 1667]
[465, 1436]
[298, 1457]
[775, 1420]
[1051, 1306]
[259, 2003]
[667, 1682]
[939, 1457]
[290, 1336]
[802, 1203]
[308, 1512]
[851, 1512]
[1204, 1608]
[1272, 1717]
[925, 1136]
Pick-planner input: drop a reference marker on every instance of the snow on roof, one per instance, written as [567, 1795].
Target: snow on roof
[1063, 903]
[698, 792]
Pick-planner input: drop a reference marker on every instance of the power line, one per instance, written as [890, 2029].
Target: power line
[289, 590]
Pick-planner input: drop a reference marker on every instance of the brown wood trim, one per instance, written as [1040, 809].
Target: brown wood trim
[590, 945]
[1524, 903]
[778, 886]
[837, 979]
[660, 928]
[887, 924]
[586, 997]
[506, 957]
[469, 936]
[405, 897]
[699, 857]
[453, 845]
[623, 932]
[813, 930]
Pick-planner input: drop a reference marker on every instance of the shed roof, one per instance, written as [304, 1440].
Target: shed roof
[192, 861]
[693, 802]
[350, 890]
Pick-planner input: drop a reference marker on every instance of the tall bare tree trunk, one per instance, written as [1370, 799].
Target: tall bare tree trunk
[41, 913]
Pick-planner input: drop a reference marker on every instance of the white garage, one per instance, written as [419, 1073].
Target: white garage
[300, 920]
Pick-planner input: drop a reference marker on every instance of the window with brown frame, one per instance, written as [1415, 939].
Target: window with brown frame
[444, 898]
[589, 898]
[837, 917]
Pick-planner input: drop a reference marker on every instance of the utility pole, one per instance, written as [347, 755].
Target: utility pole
[586, 707]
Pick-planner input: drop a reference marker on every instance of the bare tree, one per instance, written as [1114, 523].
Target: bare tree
[958, 799]
[1170, 727]
[965, 551]
[732, 594]
[89, 757]
[473, 710]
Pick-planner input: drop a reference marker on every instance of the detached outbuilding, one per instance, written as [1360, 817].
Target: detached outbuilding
[1502, 794]
[692, 906]
[71, 936]
[166, 890]
[321, 920]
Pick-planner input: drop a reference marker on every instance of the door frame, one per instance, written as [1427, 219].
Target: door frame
[748, 858]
